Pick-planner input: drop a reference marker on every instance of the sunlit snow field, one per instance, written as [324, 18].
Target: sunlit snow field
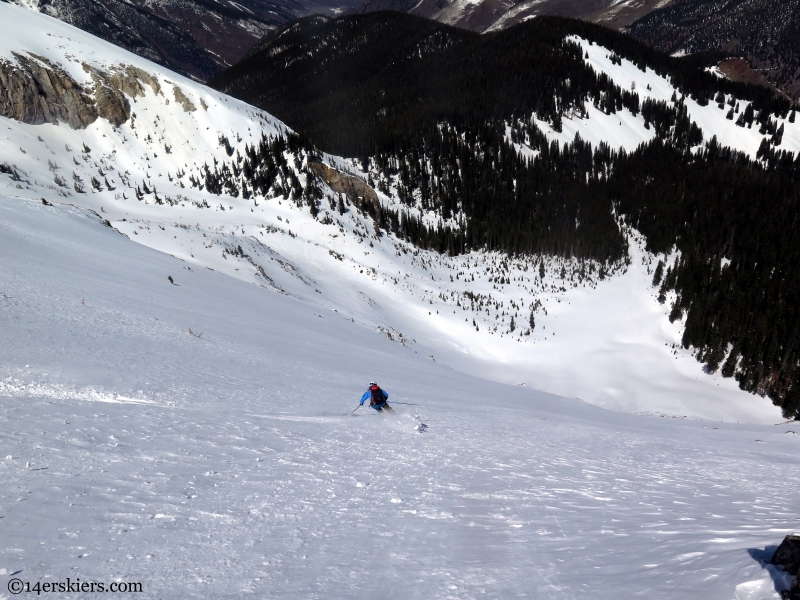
[197, 436]
[229, 465]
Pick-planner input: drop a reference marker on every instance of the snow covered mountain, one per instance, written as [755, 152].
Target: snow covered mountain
[764, 32]
[460, 126]
[492, 15]
[136, 166]
[178, 366]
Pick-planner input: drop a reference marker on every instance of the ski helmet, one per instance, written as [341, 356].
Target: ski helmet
[371, 383]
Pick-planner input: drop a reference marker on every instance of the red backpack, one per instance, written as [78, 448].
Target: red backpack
[376, 395]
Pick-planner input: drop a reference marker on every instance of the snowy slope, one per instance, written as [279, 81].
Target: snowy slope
[196, 436]
[607, 342]
[624, 130]
[228, 466]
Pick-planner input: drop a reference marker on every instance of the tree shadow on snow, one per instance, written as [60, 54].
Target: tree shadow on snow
[780, 578]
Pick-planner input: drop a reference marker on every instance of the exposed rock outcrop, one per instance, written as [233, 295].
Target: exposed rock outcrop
[788, 556]
[36, 91]
[183, 100]
[353, 187]
[111, 103]
[792, 593]
[129, 79]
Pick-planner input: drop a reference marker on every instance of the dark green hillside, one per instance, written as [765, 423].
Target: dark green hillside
[431, 112]
[359, 84]
[743, 316]
[765, 32]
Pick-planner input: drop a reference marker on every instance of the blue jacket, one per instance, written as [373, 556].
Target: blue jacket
[367, 395]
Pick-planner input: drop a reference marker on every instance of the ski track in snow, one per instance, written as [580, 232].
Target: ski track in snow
[490, 501]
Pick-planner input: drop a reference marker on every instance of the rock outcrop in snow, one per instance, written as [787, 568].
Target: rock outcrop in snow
[35, 90]
[342, 183]
[183, 100]
[788, 556]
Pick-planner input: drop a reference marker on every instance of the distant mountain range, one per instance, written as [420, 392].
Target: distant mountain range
[488, 15]
[200, 38]
[764, 32]
[197, 38]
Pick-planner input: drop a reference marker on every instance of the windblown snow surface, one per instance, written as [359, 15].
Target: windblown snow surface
[196, 436]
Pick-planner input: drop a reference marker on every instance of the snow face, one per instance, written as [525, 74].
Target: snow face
[623, 130]
[227, 465]
[162, 138]
[607, 342]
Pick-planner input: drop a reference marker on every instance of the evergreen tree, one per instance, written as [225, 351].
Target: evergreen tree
[659, 273]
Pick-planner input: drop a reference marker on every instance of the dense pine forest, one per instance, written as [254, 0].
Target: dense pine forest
[433, 113]
[765, 32]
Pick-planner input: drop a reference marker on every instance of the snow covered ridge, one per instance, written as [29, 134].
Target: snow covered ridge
[58, 74]
[731, 121]
[197, 40]
[554, 324]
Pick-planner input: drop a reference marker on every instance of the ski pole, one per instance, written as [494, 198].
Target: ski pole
[355, 409]
[408, 403]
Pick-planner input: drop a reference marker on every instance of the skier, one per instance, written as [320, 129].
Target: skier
[377, 398]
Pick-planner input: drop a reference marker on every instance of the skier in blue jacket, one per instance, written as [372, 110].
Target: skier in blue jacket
[377, 398]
